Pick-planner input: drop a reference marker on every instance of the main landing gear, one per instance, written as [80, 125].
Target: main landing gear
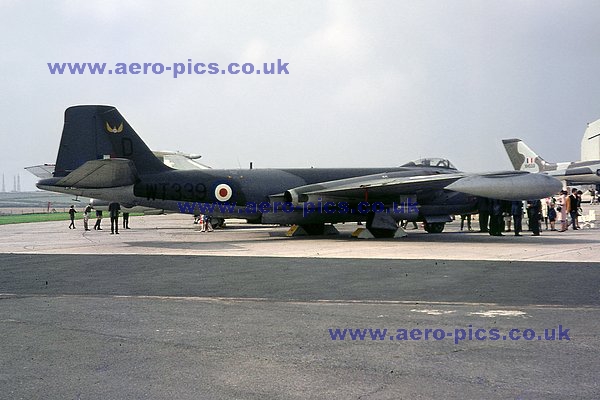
[434, 227]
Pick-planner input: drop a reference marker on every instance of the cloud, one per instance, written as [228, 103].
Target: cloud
[370, 83]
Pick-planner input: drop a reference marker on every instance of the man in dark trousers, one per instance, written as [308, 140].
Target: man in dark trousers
[125, 220]
[573, 204]
[495, 215]
[72, 216]
[484, 214]
[535, 212]
[98, 220]
[517, 214]
[113, 209]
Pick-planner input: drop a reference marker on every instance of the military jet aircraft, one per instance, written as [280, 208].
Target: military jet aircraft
[100, 152]
[523, 158]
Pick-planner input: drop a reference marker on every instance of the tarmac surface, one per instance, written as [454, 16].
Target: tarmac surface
[165, 311]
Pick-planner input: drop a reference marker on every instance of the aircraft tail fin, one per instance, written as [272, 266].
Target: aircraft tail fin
[522, 157]
[590, 143]
[95, 132]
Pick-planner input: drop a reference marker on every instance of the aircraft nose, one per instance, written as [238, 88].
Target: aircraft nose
[548, 184]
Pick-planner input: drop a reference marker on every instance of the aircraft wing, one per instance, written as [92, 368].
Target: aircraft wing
[509, 185]
[107, 173]
[180, 160]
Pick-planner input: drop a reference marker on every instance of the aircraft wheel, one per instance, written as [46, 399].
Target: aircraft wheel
[434, 227]
[379, 233]
[314, 229]
[217, 222]
[382, 233]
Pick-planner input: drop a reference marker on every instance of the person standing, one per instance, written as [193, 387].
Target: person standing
[535, 214]
[516, 211]
[206, 225]
[572, 207]
[464, 217]
[98, 220]
[579, 210]
[562, 209]
[496, 219]
[113, 210]
[552, 216]
[484, 214]
[72, 217]
[545, 203]
[125, 220]
[86, 216]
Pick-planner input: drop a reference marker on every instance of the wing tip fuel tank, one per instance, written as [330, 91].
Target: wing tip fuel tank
[516, 187]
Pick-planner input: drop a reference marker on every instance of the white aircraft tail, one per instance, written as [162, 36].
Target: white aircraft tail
[522, 157]
[590, 143]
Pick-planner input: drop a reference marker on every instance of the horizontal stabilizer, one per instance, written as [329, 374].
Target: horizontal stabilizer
[43, 171]
[101, 174]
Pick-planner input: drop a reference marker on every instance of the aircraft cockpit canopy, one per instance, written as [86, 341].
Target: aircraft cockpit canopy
[431, 162]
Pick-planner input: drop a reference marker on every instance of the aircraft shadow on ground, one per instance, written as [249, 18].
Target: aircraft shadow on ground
[450, 237]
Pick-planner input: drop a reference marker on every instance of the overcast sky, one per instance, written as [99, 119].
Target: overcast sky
[371, 83]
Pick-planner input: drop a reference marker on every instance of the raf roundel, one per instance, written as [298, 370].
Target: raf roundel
[223, 192]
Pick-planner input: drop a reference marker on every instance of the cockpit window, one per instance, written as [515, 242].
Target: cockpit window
[430, 162]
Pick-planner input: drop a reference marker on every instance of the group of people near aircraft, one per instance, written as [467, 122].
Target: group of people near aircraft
[114, 210]
[569, 204]
[496, 216]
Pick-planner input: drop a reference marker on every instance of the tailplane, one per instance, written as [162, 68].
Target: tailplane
[522, 157]
[94, 132]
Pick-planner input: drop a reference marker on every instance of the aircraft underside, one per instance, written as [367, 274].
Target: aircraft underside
[384, 220]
